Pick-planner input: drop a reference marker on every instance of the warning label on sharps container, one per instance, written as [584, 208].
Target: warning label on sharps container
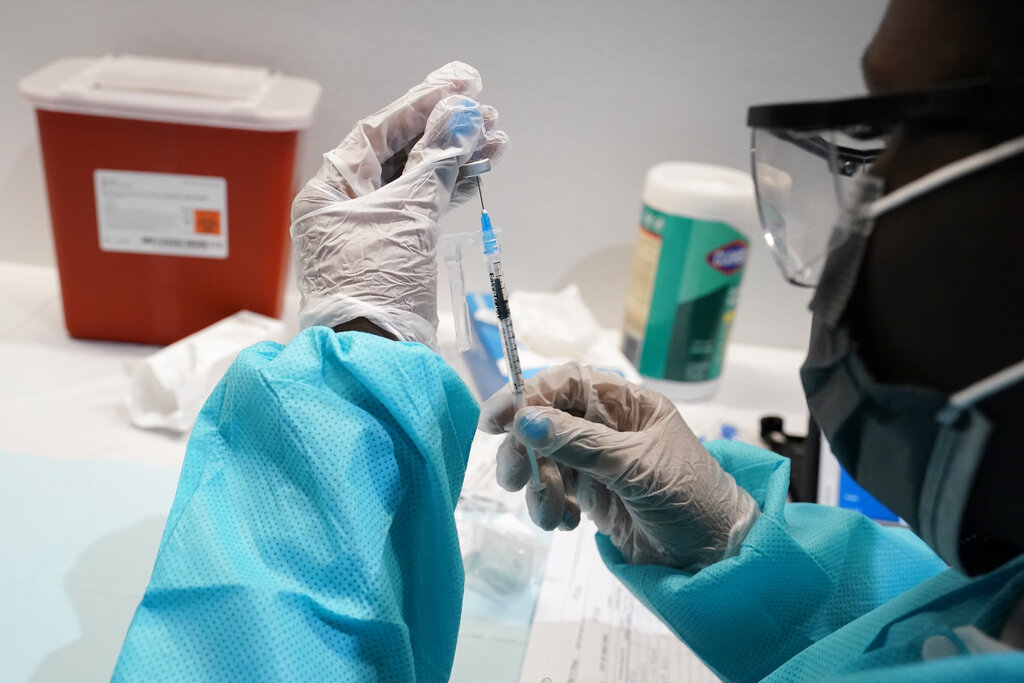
[162, 213]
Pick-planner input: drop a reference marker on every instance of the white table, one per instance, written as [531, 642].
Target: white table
[83, 494]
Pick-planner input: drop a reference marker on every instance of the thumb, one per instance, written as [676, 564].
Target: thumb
[594, 448]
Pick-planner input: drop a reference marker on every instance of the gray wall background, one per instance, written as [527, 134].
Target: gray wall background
[591, 92]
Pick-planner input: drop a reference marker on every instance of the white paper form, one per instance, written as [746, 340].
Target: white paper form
[588, 627]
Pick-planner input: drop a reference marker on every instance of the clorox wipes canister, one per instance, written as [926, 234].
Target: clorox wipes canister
[690, 253]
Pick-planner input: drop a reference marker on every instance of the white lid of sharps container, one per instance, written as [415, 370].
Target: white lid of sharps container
[702, 192]
[174, 91]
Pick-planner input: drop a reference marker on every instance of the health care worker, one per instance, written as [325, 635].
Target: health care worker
[312, 533]
[914, 372]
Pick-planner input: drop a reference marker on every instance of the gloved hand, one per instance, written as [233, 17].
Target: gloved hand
[625, 456]
[365, 228]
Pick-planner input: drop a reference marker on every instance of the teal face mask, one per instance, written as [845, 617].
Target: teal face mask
[915, 448]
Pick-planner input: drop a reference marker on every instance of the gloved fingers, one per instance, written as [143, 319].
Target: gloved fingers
[457, 122]
[513, 465]
[603, 506]
[490, 116]
[548, 505]
[570, 480]
[384, 244]
[497, 412]
[571, 516]
[495, 142]
[495, 145]
[610, 457]
[355, 165]
[580, 390]
[599, 396]
[514, 473]
[453, 133]
[394, 166]
[565, 387]
[592, 496]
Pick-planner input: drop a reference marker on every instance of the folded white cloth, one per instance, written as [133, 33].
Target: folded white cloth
[169, 387]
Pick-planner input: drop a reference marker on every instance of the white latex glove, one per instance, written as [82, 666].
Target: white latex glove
[365, 229]
[625, 456]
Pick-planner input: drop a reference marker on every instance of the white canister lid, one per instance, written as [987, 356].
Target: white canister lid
[701, 191]
[174, 91]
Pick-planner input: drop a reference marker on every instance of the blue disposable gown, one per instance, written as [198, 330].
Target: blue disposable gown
[819, 593]
[312, 536]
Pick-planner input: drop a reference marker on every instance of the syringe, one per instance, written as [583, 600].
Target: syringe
[492, 254]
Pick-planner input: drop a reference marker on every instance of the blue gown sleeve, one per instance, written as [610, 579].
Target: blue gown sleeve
[802, 572]
[312, 534]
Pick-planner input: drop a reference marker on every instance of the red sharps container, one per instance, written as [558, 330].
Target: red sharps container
[170, 184]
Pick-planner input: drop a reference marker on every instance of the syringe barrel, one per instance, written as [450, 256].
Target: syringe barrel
[506, 331]
[498, 289]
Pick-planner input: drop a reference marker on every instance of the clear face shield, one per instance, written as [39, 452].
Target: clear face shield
[801, 179]
[806, 157]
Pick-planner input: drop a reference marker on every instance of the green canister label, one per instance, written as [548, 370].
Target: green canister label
[682, 296]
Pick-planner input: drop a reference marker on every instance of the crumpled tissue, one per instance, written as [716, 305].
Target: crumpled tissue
[169, 387]
[557, 327]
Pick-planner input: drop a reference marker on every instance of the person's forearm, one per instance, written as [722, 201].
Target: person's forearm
[362, 447]
[802, 571]
[363, 325]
